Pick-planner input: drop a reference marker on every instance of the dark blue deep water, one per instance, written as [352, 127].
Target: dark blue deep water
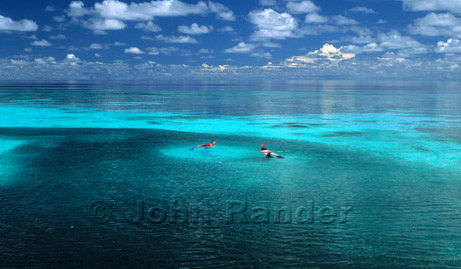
[371, 175]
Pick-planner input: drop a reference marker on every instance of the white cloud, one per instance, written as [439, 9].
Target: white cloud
[452, 45]
[371, 47]
[60, 18]
[212, 68]
[45, 60]
[41, 43]
[134, 50]
[148, 26]
[119, 43]
[315, 18]
[432, 5]
[272, 24]
[47, 28]
[437, 24]
[271, 45]
[50, 9]
[77, 9]
[363, 39]
[176, 39]
[27, 49]
[327, 53]
[137, 11]
[104, 24]
[222, 12]
[341, 20]
[7, 24]
[364, 10]
[267, 2]
[205, 51]
[33, 36]
[227, 29]
[72, 60]
[394, 40]
[338, 20]
[164, 50]
[146, 11]
[194, 29]
[264, 55]
[302, 7]
[241, 47]
[96, 46]
[381, 21]
[59, 36]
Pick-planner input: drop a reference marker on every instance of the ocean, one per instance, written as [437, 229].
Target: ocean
[100, 174]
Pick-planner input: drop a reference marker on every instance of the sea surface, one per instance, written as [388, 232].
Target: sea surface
[99, 174]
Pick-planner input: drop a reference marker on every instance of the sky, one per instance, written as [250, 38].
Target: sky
[251, 39]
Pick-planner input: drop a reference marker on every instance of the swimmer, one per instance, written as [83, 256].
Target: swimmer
[269, 153]
[205, 146]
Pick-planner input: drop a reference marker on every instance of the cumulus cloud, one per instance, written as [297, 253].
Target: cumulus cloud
[7, 24]
[72, 59]
[432, 5]
[363, 39]
[176, 39]
[212, 68]
[50, 9]
[393, 40]
[364, 10]
[241, 47]
[41, 43]
[222, 12]
[45, 60]
[137, 11]
[59, 36]
[271, 24]
[95, 46]
[370, 47]
[205, 51]
[227, 29]
[267, 2]
[327, 53]
[149, 26]
[315, 18]
[60, 18]
[437, 24]
[452, 45]
[341, 20]
[134, 50]
[101, 25]
[47, 28]
[263, 55]
[115, 12]
[164, 50]
[195, 29]
[302, 7]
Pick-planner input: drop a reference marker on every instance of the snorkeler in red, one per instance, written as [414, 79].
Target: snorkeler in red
[269, 153]
[205, 146]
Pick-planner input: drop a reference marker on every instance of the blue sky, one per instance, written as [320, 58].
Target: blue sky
[169, 39]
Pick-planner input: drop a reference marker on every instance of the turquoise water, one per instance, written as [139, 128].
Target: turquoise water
[388, 151]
